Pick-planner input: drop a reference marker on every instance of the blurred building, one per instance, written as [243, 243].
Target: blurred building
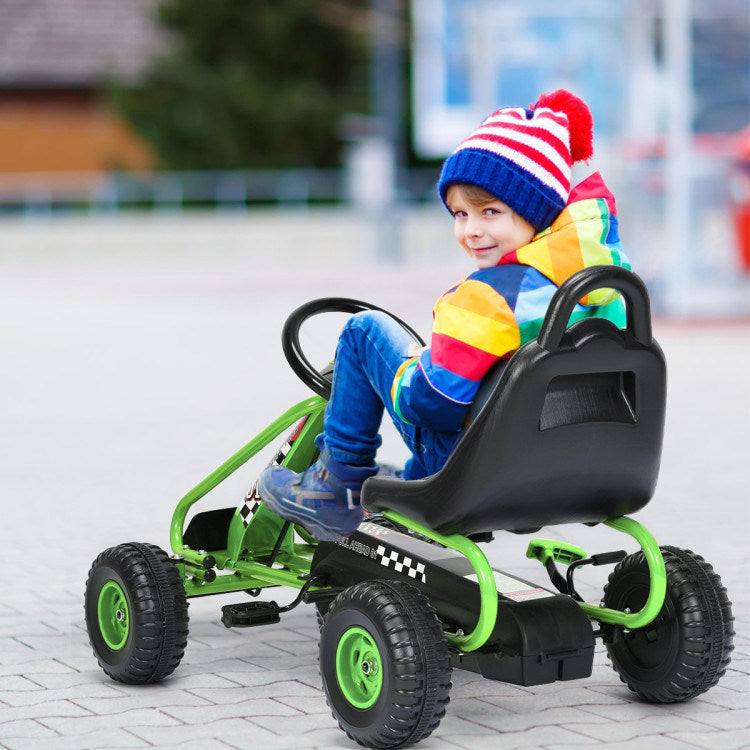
[56, 57]
[471, 56]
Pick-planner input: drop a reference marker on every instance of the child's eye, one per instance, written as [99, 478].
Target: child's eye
[459, 214]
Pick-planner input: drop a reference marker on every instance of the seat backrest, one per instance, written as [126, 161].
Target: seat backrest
[571, 432]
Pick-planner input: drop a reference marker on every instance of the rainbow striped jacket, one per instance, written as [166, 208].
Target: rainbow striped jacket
[492, 312]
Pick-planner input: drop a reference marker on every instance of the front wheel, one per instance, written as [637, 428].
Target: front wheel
[385, 664]
[136, 613]
[687, 648]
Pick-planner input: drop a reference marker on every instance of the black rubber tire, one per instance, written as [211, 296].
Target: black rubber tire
[416, 669]
[154, 640]
[687, 648]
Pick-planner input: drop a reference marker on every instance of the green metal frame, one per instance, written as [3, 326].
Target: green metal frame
[658, 584]
[247, 574]
[485, 577]
[488, 589]
[545, 550]
[293, 567]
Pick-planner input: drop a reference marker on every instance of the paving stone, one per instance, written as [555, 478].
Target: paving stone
[119, 720]
[470, 685]
[461, 741]
[91, 678]
[201, 678]
[295, 725]
[16, 683]
[228, 730]
[301, 661]
[33, 666]
[108, 738]
[726, 720]
[253, 675]
[727, 739]
[736, 679]
[23, 729]
[460, 722]
[143, 696]
[316, 739]
[18, 622]
[42, 710]
[524, 720]
[201, 744]
[286, 690]
[569, 696]
[310, 704]
[245, 648]
[76, 693]
[536, 737]
[647, 726]
[249, 709]
[637, 710]
[721, 696]
[473, 709]
[653, 742]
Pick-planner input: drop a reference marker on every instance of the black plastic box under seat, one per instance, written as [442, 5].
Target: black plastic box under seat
[539, 637]
[543, 641]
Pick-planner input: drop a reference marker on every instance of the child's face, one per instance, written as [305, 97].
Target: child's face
[487, 230]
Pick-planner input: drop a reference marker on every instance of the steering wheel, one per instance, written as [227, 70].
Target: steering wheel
[320, 381]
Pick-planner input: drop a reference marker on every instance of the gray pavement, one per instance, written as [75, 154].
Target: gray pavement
[139, 353]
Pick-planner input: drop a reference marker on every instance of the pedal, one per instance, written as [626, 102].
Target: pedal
[250, 614]
[547, 549]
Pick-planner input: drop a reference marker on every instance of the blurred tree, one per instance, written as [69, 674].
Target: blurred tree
[251, 83]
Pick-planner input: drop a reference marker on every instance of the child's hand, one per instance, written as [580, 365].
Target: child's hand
[415, 349]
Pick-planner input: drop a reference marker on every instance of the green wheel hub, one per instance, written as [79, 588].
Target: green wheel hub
[359, 668]
[114, 616]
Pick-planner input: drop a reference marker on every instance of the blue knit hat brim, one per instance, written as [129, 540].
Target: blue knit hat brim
[529, 197]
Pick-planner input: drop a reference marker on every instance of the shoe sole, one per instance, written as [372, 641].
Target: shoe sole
[292, 512]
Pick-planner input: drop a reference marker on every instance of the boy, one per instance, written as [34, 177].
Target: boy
[507, 187]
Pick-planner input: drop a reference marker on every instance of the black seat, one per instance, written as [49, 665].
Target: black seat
[571, 431]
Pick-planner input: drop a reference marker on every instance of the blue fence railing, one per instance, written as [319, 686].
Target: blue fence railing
[39, 193]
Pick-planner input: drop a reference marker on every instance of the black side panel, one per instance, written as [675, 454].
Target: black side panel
[539, 637]
[209, 530]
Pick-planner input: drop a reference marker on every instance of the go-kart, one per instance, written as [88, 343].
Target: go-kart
[568, 431]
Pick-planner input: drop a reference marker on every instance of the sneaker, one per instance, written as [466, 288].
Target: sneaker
[326, 504]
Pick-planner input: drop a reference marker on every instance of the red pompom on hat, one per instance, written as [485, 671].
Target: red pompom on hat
[580, 121]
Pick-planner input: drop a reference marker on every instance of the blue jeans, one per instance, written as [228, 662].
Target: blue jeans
[371, 348]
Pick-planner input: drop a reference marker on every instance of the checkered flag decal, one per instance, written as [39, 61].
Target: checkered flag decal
[252, 500]
[251, 503]
[282, 453]
[401, 563]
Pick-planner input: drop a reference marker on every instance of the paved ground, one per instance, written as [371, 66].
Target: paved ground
[138, 355]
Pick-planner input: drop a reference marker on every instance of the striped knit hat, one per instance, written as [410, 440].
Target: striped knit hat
[524, 156]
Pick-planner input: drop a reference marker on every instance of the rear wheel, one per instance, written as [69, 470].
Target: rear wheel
[385, 664]
[136, 613]
[687, 648]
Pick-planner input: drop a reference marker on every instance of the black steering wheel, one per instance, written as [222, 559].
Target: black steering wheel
[320, 381]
